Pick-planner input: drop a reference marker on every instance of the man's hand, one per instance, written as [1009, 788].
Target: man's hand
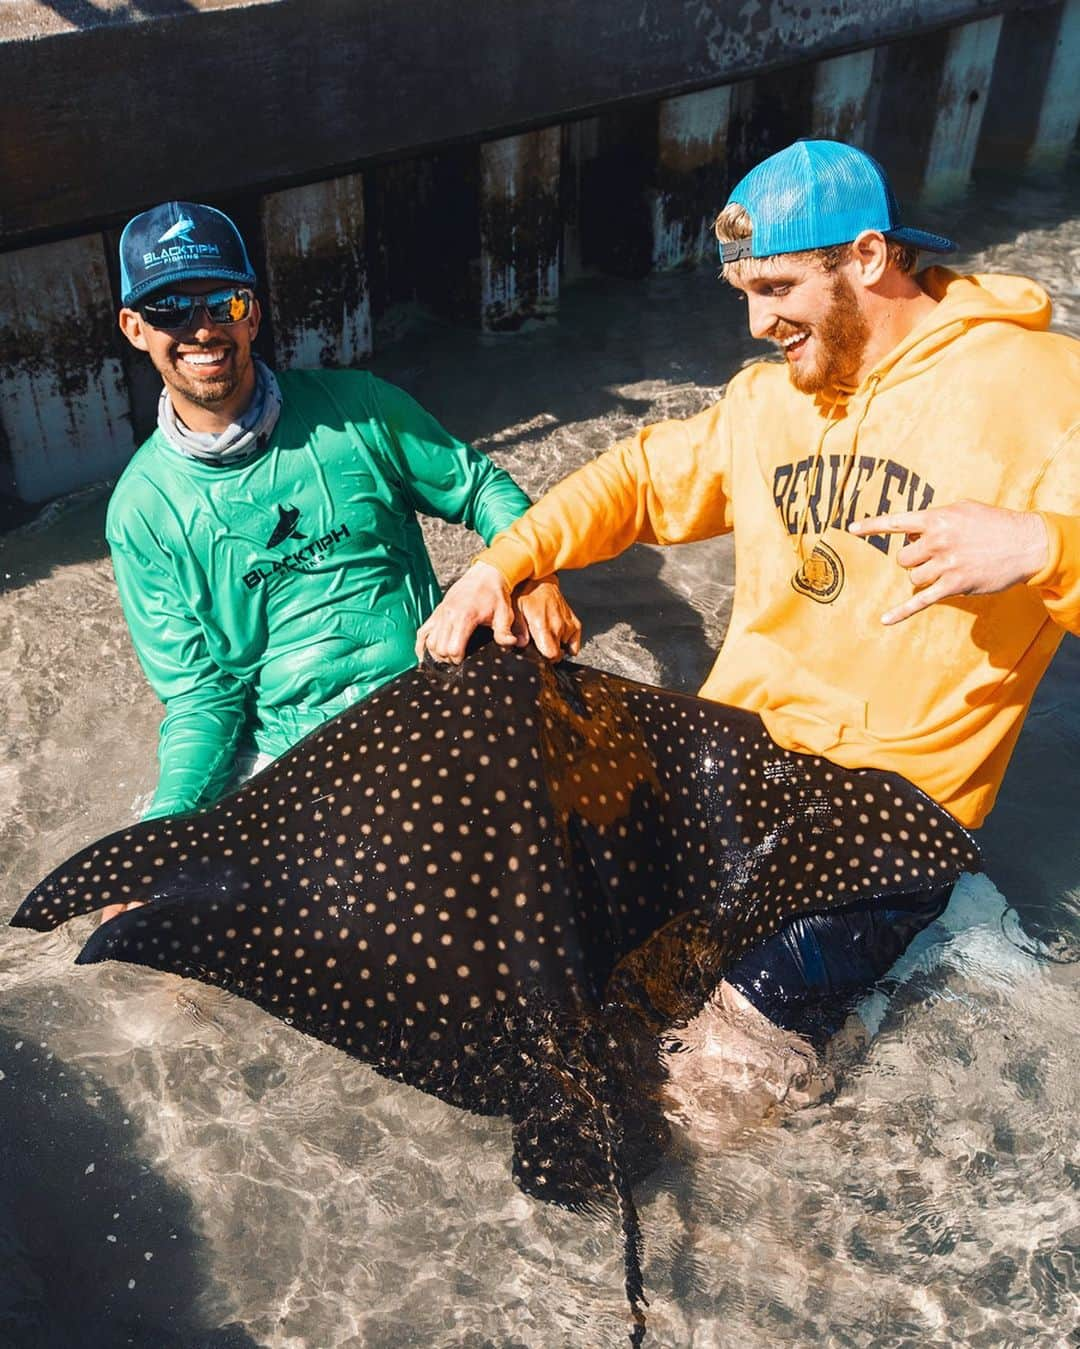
[112, 910]
[965, 549]
[548, 619]
[482, 597]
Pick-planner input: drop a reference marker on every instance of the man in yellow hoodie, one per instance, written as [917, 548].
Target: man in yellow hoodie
[904, 490]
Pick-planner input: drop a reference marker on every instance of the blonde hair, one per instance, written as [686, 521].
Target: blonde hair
[734, 223]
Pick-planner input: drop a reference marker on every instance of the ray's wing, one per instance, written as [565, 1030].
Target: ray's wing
[136, 863]
[790, 835]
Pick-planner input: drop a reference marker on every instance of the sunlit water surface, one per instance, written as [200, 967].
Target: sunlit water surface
[178, 1169]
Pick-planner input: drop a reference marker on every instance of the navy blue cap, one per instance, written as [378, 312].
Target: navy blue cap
[180, 241]
[815, 194]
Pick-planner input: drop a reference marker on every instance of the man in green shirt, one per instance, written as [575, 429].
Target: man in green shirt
[265, 537]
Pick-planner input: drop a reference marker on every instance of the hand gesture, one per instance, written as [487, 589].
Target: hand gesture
[964, 549]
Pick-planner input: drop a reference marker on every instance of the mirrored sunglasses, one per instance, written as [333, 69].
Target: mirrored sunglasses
[172, 311]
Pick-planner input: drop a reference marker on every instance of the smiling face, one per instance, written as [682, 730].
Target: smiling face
[812, 315]
[206, 367]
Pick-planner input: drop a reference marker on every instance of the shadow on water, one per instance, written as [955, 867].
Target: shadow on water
[96, 1250]
[663, 625]
[64, 532]
[86, 14]
[1031, 848]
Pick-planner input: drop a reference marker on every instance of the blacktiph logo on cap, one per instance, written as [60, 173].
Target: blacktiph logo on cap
[180, 241]
[181, 230]
[180, 248]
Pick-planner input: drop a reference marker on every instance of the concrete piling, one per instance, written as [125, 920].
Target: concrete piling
[580, 146]
[63, 401]
[520, 228]
[691, 175]
[616, 180]
[1035, 89]
[961, 102]
[768, 113]
[907, 78]
[316, 273]
[1059, 113]
[841, 98]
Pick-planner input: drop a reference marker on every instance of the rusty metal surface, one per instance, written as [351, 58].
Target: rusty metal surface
[277, 93]
[316, 273]
[520, 228]
[64, 414]
[961, 102]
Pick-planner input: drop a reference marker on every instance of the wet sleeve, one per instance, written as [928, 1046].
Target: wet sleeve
[671, 483]
[443, 476]
[204, 706]
[1057, 499]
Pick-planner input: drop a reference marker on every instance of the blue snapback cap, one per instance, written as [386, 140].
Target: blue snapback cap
[180, 241]
[815, 194]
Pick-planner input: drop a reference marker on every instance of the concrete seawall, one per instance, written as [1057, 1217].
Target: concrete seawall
[475, 160]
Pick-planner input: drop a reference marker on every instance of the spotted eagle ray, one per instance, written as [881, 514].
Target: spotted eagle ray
[503, 884]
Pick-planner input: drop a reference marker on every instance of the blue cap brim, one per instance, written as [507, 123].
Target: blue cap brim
[166, 279]
[932, 243]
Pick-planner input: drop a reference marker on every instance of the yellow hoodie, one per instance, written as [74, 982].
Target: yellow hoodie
[978, 402]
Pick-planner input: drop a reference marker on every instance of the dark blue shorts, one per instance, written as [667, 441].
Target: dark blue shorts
[808, 977]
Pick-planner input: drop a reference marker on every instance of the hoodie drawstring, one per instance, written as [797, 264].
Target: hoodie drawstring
[813, 477]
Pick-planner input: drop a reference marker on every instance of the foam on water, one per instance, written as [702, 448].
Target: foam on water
[288, 1197]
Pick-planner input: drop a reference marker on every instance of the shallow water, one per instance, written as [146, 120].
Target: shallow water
[178, 1169]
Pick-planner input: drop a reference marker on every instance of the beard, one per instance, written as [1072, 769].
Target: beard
[203, 392]
[839, 338]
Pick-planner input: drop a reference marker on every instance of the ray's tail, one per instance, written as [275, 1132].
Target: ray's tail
[592, 1125]
[630, 1223]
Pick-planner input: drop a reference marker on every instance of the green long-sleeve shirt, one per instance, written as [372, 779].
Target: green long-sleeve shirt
[264, 598]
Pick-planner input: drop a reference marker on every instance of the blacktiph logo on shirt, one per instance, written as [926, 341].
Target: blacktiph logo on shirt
[308, 558]
[821, 575]
[285, 527]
